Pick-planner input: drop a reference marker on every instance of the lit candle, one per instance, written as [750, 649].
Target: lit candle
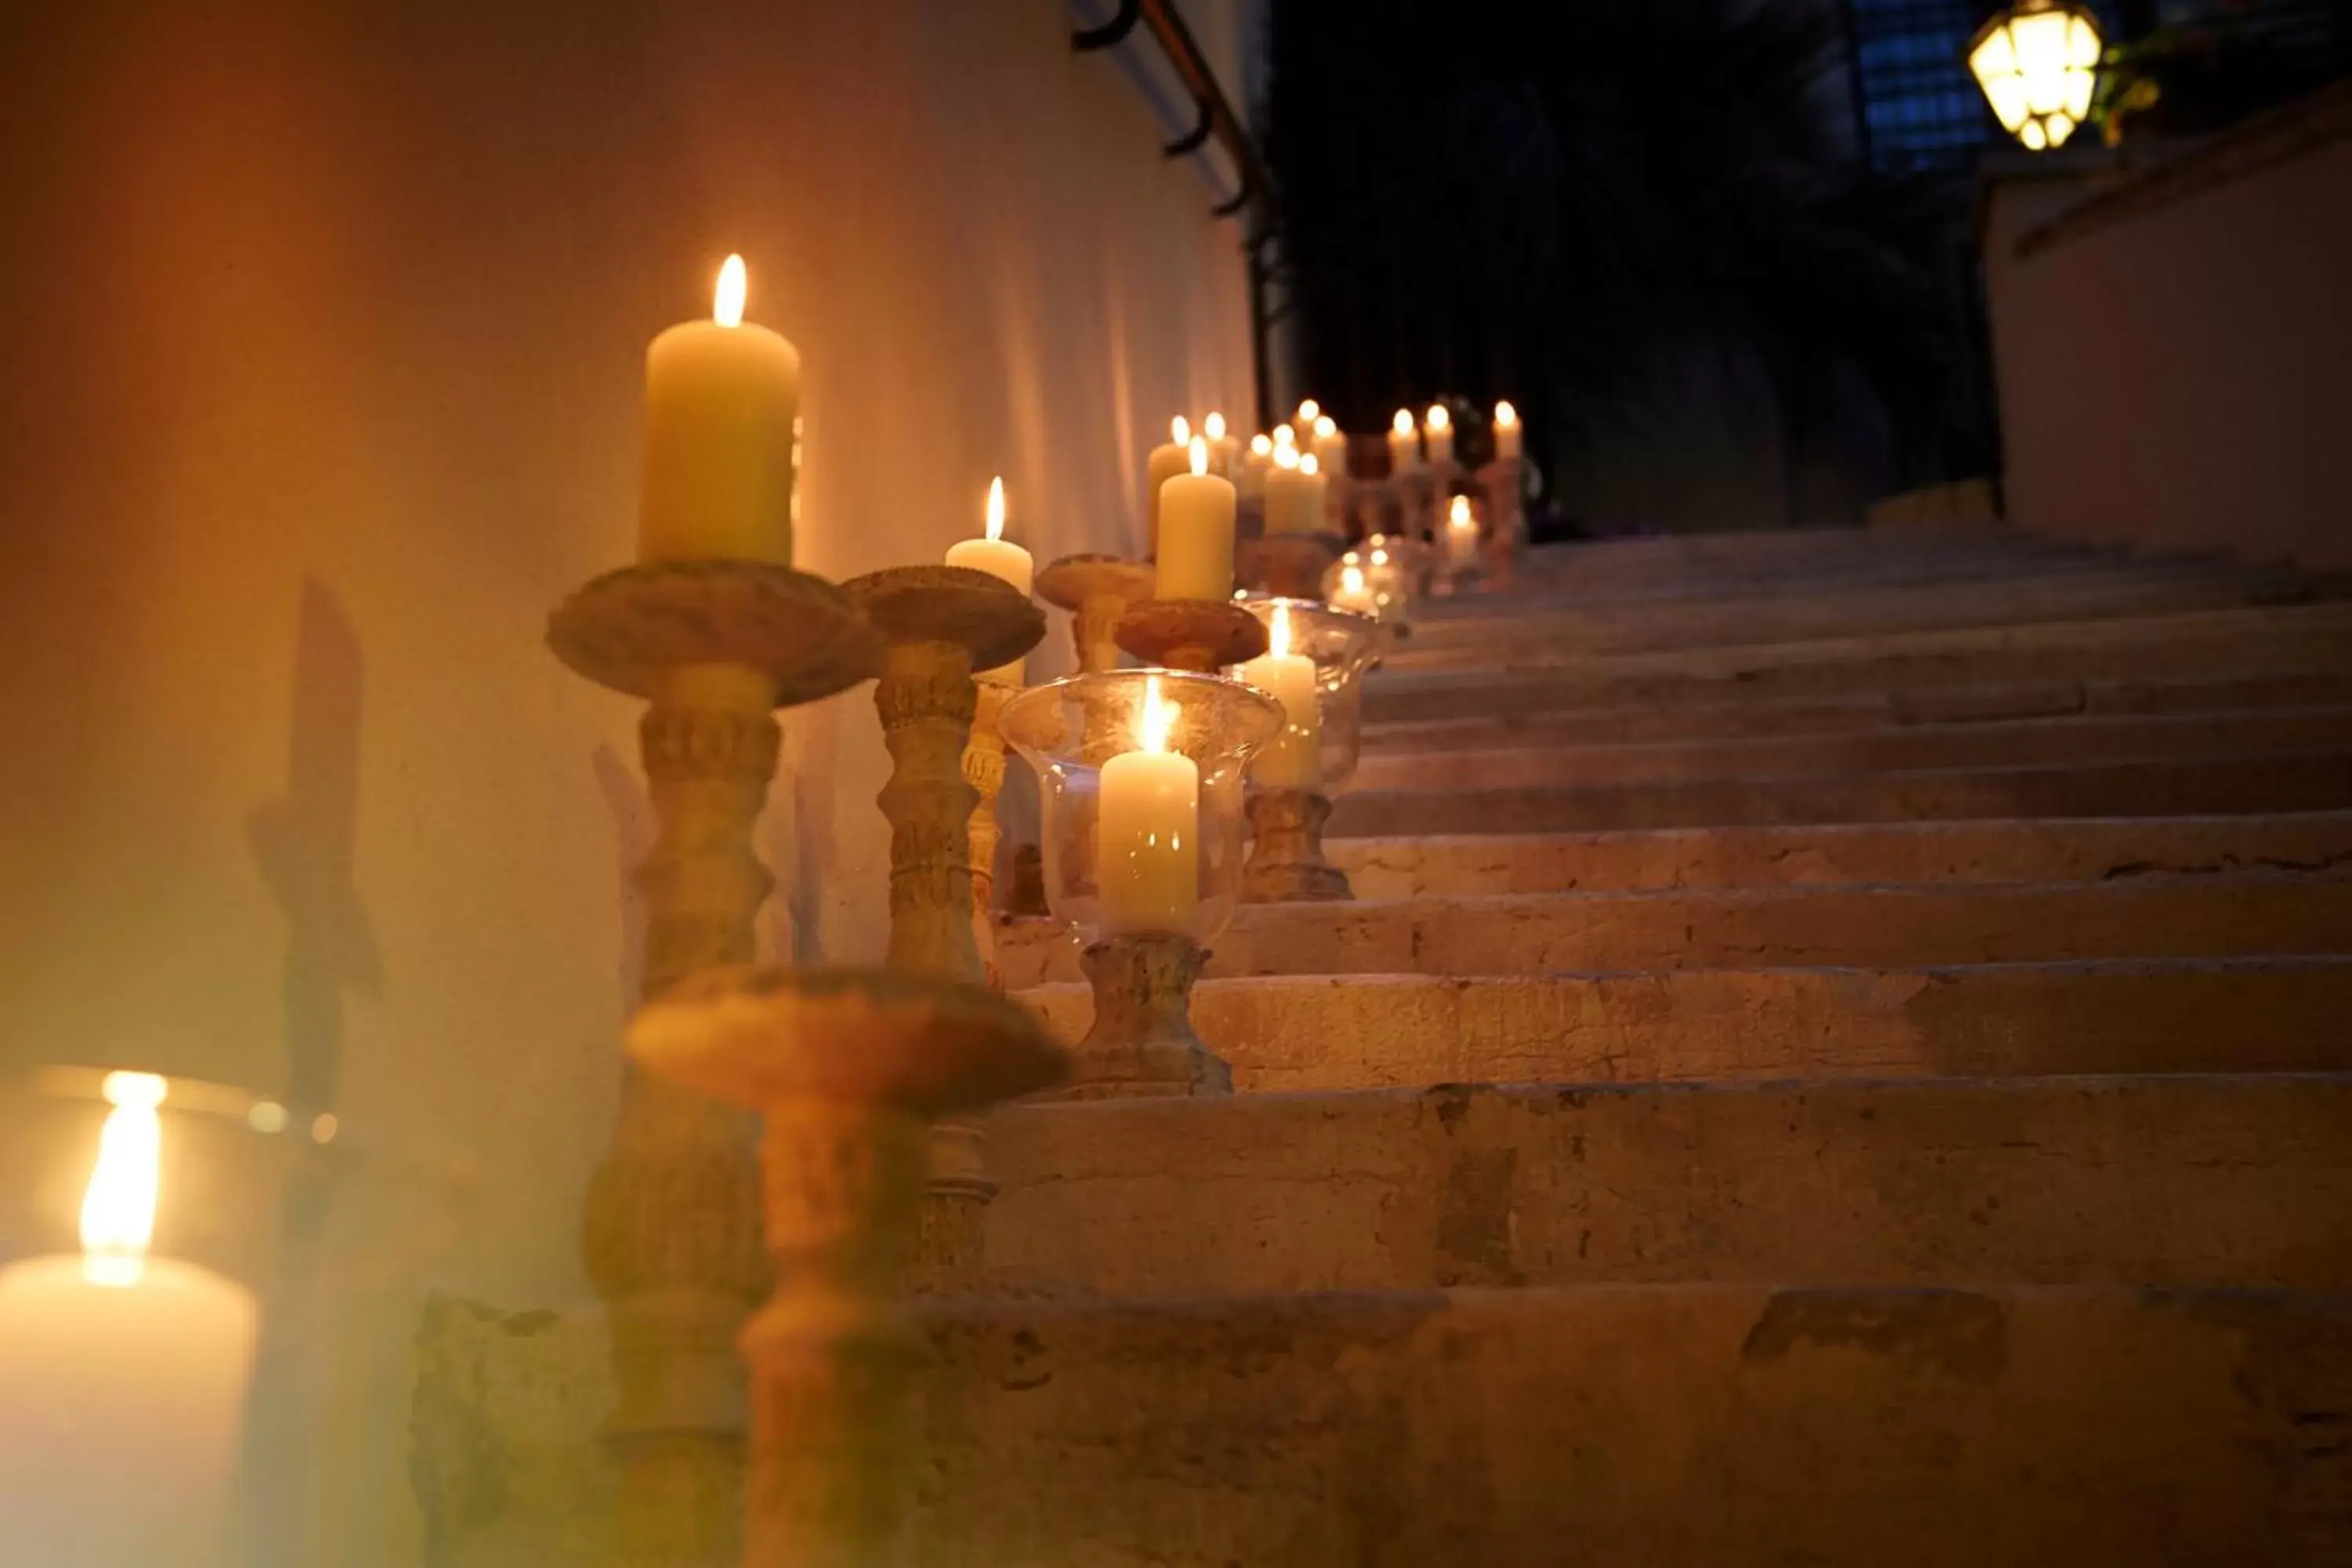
[1462, 533]
[1506, 431]
[1147, 827]
[999, 557]
[1352, 593]
[1196, 534]
[1164, 463]
[1224, 451]
[123, 1378]
[1293, 759]
[1254, 463]
[1404, 443]
[1437, 430]
[1294, 493]
[1330, 447]
[1303, 425]
[722, 437]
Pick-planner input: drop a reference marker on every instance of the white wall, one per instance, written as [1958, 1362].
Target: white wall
[321, 330]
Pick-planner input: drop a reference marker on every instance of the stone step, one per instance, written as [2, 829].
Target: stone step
[2030, 743]
[1999, 850]
[1619, 626]
[1875, 927]
[1307, 1033]
[1645, 1427]
[1930, 706]
[2237, 1181]
[2200, 644]
[2194, 787]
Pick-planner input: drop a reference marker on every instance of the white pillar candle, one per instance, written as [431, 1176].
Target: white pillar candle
[1294, 758]
[1303, 425]
[1437, 434]
[1251, 481]
[722, 437]
[1506, 431]
[1462, 533]
[1164, 463]
[1224, 451]
[1352, 593]
[1196, 534]
[1294, 494]
[1330, 448]
[123, 1378]
[1404, 444]
[1000, 558]
[1147, 831]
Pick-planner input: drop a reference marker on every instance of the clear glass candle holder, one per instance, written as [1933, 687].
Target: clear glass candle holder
[1074, 732]
[1342, 642]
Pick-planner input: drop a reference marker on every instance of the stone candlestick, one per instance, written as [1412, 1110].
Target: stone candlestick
[1501, 481]
[1202, 636]
[1098, 590]
[846, 1066]
[671, 1228]
[1142, 1044]
[1287, 863]
[939, 624]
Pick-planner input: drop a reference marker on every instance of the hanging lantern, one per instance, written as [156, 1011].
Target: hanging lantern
[2037, 64]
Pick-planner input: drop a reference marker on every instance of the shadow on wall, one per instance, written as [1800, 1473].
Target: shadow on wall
[304, 843]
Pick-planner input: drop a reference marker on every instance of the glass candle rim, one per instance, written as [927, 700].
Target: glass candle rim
[1260, 714]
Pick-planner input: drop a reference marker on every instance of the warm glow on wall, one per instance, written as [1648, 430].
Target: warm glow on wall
[2037, 65]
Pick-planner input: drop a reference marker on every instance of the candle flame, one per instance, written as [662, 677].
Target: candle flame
[1286, 456]
[1506, 414]
[1308, 410]
[1438, 419]
[726, 300]
[1199, 456]
[1215, 426]
[1327, 426]
[1402, 423]
[1277, 637]
[1461, 515]
[1158, 718]
[1310, 464]
[1352, 580]
[1284, 435]
[1180, 430]
[996, 507]
[118, 1209]
[1379, 557]
[1260, 445]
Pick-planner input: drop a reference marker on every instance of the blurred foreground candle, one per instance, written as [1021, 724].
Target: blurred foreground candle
[1000, 558]
[123, 1378]
[1506, 431]
[722, 437]
[1147, 856]
[1164, 463]
[1294, 758]
[1224, 451]
[1437, 430]
[1294, 494]
[1196, 534]
[1461, 533]
[1404, 443]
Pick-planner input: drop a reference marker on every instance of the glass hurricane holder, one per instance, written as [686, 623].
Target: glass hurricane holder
[1141, 969]
[1287, 863]
[939, 624]
[846, 1067]
[1098, 591]
[671, 1231]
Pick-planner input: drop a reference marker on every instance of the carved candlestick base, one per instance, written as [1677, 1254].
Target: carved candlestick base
[940, 622]
[983, 769]
[1098, 590]
[1142, 1045]
[1202, 636]
[1501, 481]
[1289, 565]
[845, 1066]
[671, 1234]
[1286, 864]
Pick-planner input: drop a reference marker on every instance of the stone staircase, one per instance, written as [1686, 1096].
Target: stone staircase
[1844, 1057]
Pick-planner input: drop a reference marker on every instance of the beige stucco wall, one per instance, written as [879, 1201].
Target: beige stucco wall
[323, 327]
[2175, 379]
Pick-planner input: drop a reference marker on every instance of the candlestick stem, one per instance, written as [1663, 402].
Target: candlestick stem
[1287, 863]
[1143, 1043]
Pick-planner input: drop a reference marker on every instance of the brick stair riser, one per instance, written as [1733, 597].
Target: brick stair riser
[1802, 927]
[1290, 1034]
